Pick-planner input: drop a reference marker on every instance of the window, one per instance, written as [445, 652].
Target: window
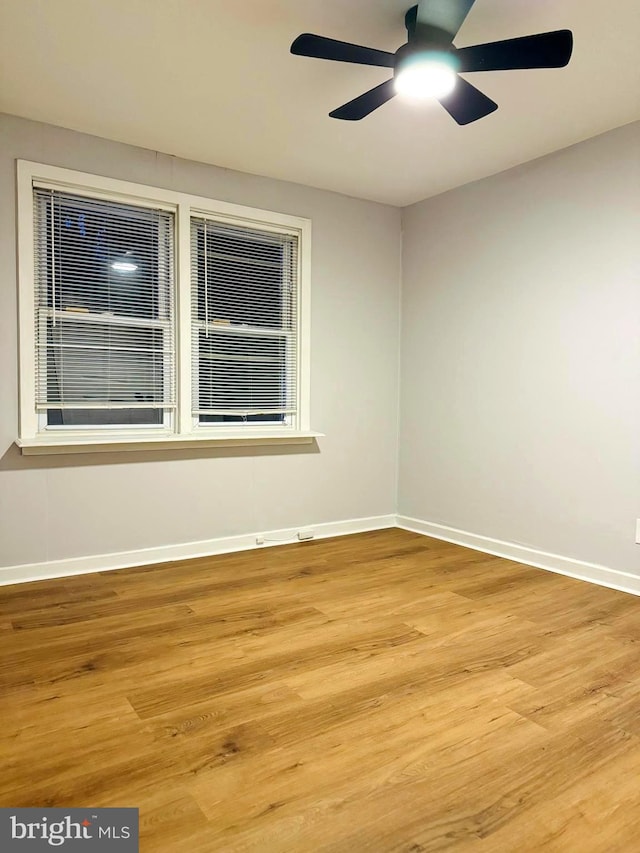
[149, 316]
[104, 292]
[244, 334]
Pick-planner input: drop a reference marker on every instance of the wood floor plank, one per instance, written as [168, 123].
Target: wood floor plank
[380, 692]
[281, 665]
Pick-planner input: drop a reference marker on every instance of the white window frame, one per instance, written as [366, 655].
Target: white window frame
[180, 431]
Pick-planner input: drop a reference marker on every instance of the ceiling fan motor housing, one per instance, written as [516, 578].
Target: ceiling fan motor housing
[425, 42]
[421, 32]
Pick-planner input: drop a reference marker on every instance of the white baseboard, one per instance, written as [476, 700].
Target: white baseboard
[186, 551]
[600, 575]
[590, 572]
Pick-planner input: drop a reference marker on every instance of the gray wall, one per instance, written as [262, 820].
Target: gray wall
[53, 508]
[520, 412]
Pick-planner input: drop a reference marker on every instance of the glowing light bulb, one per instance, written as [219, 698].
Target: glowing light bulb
[425, 77]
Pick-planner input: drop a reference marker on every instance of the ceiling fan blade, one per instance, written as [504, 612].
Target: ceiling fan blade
[546, 50]
[320, 47]
[446, 15]
[466, 103]
[365, 104]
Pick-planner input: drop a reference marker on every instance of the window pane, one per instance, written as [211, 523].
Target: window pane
[103, 257]
[103, 363]
[245, 278]
[241, 372]
[242, 419]
[87, 418]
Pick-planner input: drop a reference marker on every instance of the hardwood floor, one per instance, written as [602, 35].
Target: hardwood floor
[379, 692]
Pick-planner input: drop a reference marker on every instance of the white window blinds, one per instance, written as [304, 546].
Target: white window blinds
[244, 324]
[105, 337]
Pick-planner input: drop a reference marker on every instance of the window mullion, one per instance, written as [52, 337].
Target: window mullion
[184, 369]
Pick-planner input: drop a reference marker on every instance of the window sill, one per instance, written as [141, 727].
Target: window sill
[106, 444]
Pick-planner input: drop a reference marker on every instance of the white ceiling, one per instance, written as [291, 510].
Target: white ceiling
[213, 80]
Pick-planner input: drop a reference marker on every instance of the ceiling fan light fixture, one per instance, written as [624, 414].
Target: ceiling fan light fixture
[425, 75]
[428, 64]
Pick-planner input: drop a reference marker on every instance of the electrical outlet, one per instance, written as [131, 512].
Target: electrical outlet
[305, 534]
[637, 531]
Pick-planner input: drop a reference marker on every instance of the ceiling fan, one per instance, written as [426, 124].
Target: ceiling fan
[428, 65]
